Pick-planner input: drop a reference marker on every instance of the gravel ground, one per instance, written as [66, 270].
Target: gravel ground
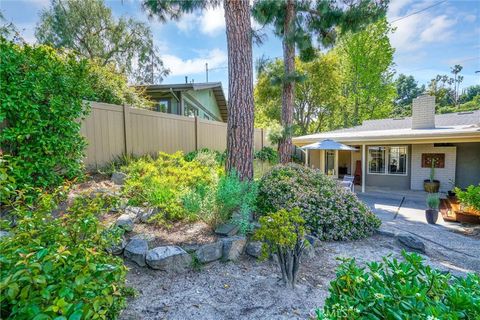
[249, 289]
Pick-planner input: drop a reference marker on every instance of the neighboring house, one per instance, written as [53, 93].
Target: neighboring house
[397, 153]
[204, 100]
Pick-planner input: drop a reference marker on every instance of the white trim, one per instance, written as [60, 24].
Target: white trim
[364, 167]
[387, 161]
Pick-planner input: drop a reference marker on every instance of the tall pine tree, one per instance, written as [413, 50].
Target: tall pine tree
[301, 22]
[240, 73]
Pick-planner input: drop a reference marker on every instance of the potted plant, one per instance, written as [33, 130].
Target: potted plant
[431, 185]
[433, 202]
[451, 192]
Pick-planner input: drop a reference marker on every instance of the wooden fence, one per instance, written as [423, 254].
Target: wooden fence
[113, 130]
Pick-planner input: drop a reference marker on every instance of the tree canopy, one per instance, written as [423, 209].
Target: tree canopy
[89, 28]
[301, 22]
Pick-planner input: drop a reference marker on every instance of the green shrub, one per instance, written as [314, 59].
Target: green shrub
[267, 154]
[228, 199]
[469, 197]
[163, 182]
[205, 153]
[58, 268]
[331, 212]
[41, 102]
[283, 234]
[400, 290]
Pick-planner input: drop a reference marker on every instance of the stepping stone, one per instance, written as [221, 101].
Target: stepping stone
[254, 249]
[233, 247]
[125, 221]
[136, 250]
[210, 252]
[227, 230]
[411, 242]
[168, 258]
[119, 178]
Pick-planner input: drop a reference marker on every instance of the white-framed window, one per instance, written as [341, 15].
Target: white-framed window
[391, 160]
[190, 111]
[163, 105]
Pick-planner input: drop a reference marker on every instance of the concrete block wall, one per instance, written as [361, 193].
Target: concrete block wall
[423, 112]
[444, 175]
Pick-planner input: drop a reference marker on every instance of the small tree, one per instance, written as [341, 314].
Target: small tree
[283, 234]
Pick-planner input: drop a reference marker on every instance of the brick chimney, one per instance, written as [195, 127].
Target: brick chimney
[423, 112]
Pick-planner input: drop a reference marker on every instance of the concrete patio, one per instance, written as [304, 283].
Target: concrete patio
[440, 239]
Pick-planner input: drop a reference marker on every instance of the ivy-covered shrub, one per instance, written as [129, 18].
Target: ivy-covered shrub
[330, 211]
[469, 197]
[162, 182]
[58, 268]
[400, 290]
[41, 102]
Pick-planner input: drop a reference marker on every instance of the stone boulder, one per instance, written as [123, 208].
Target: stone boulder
[125, 221]
[411, 242]
[210, 252]
[254, 249]
[227, 230]
[168, 258]
[233, 247]
[119, 178]
[136, 250]
[117, 249]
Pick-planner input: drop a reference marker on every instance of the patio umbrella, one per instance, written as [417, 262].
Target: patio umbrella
[326, 144]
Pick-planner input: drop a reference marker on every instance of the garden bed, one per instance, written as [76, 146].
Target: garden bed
[248, 288]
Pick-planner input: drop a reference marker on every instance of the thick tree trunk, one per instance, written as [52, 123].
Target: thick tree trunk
[240, 88]
[288, 96]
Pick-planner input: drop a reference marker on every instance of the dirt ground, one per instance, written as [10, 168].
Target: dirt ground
[249, 289]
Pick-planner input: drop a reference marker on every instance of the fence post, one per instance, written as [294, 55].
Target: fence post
[262, 143]
[126, 129]
[196, 133]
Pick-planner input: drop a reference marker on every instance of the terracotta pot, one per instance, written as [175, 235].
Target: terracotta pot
[431, 215]
[431, 186]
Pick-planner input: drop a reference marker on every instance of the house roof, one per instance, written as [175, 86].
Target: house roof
[447, 126]
[215, 86]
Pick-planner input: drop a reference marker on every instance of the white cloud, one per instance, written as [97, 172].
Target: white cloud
[212, 21]
[180, 67]
[438, 30]
[418, 30]
[208, 22]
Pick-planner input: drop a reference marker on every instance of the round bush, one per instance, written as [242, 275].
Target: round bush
[331, 212]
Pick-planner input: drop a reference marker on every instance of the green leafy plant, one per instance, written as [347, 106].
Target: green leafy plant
[206, 153]
[164, 182]
[41, 102]
[267, 154]
[470, 197]
[433, 201]
[58, 268]
[400, 290]
[330, 211]
[432, 171]
[283, 234]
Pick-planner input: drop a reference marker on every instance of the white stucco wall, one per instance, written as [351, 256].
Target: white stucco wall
[444, 175]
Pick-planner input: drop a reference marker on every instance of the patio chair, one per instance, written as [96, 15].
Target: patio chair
[347, 183]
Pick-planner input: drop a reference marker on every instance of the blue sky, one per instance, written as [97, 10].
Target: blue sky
[427, 43]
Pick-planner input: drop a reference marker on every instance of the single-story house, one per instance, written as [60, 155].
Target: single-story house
[204, 100]
[397, 154]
